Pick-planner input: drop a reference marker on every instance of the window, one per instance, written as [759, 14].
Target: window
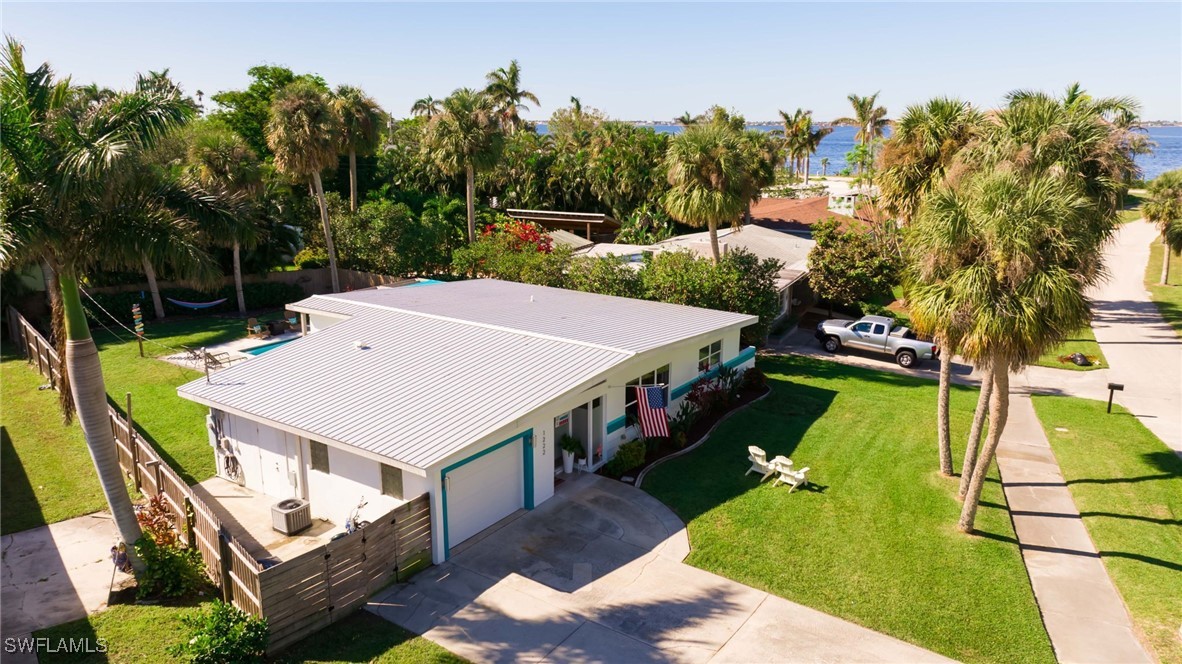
[391, 481]
[863, 328]
[879, 328]
[319, 456]
[709, 356]
[658, 377]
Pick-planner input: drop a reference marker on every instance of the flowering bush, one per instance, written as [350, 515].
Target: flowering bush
[523, 234]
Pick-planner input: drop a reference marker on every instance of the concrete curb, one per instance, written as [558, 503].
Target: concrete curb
[690, 448]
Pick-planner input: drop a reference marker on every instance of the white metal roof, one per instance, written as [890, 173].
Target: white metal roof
[444, 364]
[615, 322]
[422, 388]
[791, 250]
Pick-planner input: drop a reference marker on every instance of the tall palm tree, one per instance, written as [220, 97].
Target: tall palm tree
[464, 137]
[221, 158]
[303, 134]
[813, 137]
[708, 177]
[1164, 208]
[925, 142]
[361, 122]
[869, 118]
[825, 165]
[504, 88]
[685, 119]
[795, 131]
[75, 198]
[426, 107]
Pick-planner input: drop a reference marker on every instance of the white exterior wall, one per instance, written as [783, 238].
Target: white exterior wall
[351, 477]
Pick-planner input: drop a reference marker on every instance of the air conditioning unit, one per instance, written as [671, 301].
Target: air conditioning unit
[291, 515]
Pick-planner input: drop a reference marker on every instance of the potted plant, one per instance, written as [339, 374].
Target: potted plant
[571, 447]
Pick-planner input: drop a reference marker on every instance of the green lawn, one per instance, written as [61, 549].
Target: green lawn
[1132, 208]
[1084, 342]
[135, 633]
[1128, 487]
[174, 426]
[1168, 298]
[874, 540]
[48, 475]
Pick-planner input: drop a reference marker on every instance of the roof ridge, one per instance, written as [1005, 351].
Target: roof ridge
[487, 326]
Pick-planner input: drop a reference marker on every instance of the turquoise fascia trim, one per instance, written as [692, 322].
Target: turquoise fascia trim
[616, 424]
[527, 438]
[684, 389]
[527, 462]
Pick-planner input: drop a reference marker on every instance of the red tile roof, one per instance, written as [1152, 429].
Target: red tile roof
[791, 214]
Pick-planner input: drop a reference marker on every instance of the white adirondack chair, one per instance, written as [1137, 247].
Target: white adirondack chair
[759, 464]
[793, 478]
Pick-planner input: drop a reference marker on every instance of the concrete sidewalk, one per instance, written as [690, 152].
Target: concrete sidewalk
[1145, 353]
[1081, 608]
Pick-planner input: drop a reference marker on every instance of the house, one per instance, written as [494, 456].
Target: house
[459, 390]
[789, 249]
[793, 215]
[593, 225]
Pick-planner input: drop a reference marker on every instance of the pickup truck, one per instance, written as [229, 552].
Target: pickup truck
[877, 334]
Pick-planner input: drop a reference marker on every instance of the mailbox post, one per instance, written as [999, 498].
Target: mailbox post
[1112, 389]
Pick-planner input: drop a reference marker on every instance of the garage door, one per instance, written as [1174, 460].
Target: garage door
[484, 491]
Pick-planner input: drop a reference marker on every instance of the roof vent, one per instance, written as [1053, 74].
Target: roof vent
[531, 298]
[360, 345]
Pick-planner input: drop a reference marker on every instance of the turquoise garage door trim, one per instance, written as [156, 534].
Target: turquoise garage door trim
[486, 487]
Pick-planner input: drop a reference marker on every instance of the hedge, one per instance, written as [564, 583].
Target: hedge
[264, 295]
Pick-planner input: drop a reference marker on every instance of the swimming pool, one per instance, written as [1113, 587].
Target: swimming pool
[259, 350]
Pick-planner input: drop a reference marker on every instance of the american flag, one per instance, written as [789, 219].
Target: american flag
[654, 421]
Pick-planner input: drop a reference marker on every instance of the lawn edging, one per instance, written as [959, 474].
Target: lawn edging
[704, 437]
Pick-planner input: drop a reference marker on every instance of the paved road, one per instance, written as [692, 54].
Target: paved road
[1144, 352]
[1081, 608]
[595, 575]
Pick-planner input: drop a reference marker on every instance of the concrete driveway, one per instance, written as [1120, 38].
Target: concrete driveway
[595, 574]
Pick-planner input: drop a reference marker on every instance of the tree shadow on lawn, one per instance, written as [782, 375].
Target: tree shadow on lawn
[19, 507]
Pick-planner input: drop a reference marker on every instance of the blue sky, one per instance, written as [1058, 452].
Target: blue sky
[650, 61]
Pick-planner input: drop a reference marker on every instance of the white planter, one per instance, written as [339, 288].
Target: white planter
[568, 462]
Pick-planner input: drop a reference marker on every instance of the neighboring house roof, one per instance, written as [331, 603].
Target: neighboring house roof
[568, 220]
[443, 365]
[563, 238]
[791, 250]
[795, 215]
[601, 249]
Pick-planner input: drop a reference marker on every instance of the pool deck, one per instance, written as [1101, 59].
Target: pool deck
[235, 350]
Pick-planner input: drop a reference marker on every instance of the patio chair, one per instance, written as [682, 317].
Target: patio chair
[781, 460]
[255, 329]
[793, 478]
[759, 464]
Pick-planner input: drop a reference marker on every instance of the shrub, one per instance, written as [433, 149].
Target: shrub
[309, 259]
[754, 378]
[681, 422]
[629, 455]
[708, 397]
[156, 520]
[569, 443]
[223, 634]
[169, 571]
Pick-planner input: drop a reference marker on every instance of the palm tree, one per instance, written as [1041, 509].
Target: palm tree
[77, 199]
[925, 142]
[361, 121]
[427, 107]
[869, 119]
[463, 137]
[221, 158]
[923, 145]
[504, 88]
[303, 134]
[708, 178]
[685, 119]
[825, 165]
[813, 138]
[795, 130]
[1164, 208]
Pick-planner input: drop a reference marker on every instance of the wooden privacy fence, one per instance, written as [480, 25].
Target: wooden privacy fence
[296, 596]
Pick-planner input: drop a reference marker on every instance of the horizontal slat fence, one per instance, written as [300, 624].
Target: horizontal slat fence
[297, 596]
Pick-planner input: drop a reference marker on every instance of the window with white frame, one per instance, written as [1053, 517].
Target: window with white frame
[658, 377]
[709, 356]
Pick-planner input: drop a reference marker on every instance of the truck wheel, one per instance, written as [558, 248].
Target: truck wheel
[905, 358]
[832, 344]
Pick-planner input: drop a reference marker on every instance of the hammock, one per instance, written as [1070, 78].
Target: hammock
[196, 305]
